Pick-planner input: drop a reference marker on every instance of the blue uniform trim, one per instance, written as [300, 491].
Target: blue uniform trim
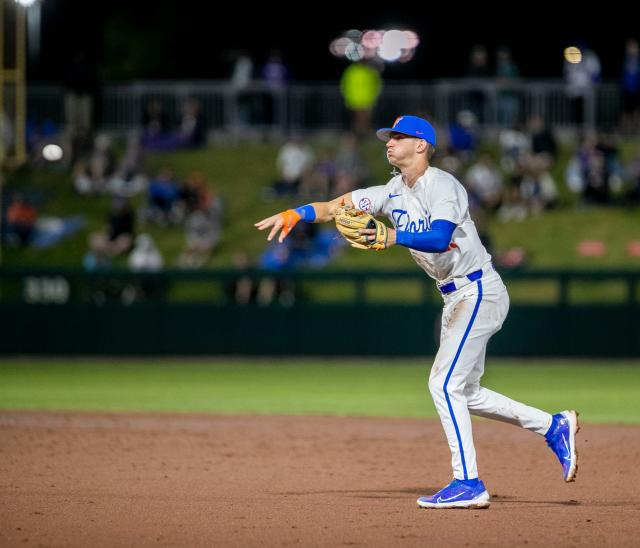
[307, 213]
[453, 364]
[435, 240]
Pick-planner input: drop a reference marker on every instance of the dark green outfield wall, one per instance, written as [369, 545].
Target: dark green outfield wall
[72, 323]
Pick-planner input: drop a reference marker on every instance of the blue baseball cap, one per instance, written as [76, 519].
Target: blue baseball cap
[412, 126]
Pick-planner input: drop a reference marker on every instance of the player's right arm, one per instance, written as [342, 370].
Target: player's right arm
[316, 212]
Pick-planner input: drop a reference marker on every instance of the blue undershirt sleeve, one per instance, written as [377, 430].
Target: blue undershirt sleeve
[435, 240]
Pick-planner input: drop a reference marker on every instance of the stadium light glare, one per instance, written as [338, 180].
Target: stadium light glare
[394, 39]
[389, 52]
[573, 55]
[25, 3]
[52, 152]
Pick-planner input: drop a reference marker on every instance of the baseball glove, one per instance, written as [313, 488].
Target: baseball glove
[351, 221]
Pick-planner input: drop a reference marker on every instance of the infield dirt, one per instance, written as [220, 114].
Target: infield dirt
[84, 479]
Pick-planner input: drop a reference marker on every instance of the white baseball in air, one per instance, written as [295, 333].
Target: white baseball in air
[52, 152]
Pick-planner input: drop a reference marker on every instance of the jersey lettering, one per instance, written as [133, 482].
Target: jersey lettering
[403, 221]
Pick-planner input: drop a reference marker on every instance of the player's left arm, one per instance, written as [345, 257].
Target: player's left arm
[316, 212]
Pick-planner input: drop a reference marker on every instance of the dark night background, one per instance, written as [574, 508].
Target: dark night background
[143, 39]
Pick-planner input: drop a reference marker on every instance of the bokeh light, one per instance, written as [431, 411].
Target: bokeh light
[386, 45]
[52, 153]
[573, 55]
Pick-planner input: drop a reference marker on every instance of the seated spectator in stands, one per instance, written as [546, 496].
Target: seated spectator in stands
[349, 161]
[191, 133]
[513, 207]
[154, 120]
[203, 229]
[542, 139]
[451, 163]
[117, 238]
[21, 221]
[485, 182]
[145, 256]
[194, 195]
[632, 192]
[294, 159]
[315, 184]
[163, 197]
[130, 178]
[463, 133]
[594, 168]
[537, 187]
[93, 174]
[514, 144]
[242, 289]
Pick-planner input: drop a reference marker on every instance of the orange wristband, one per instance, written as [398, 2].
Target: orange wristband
[290, 219]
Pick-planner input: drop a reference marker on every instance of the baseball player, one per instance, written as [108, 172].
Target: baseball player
[429, 210]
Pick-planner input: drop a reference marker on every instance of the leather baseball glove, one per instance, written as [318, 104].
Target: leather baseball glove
[350, 221]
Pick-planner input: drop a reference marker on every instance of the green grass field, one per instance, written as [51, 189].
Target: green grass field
[604, 392]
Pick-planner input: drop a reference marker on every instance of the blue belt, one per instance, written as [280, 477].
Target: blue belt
[451, 286]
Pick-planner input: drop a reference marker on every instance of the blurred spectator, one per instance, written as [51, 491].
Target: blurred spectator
[117, 238]
[507, 101]
[163, 197]
[130, 178]
[274, 72]
[294, 159]
[21, 221]
[242, 289]
[192, 129]
[275, 75]
[193, 195]
[595, 169]
[632, 194]
[241, 78]
[580, 78]
[463, 133]
[242, 71]
[80, 85]
[350, 164]
[451, 163]
[154, 120]
[145, 256]
[514, 144]
[478, 68]
[92, 175]
[537, 187]
[631, 87]
[316, 183]
[189, 134]
[542, 139]
[360, 85]
[485, 182]
[203, 229]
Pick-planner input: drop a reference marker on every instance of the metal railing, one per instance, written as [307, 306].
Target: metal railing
[318, 106]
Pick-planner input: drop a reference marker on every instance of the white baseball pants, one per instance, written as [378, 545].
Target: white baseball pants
[471, 315]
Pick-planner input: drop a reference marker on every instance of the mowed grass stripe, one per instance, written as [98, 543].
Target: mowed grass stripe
[604, 392]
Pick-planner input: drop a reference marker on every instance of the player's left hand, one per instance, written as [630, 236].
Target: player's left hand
[283, 221]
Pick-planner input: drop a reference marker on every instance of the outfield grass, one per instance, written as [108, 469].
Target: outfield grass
[604, 392]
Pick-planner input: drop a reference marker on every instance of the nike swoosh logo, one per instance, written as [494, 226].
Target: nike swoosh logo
[394, 195]
[567, 446]
[440, 499]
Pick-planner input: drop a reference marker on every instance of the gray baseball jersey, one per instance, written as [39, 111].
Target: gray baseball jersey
[436, 195]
